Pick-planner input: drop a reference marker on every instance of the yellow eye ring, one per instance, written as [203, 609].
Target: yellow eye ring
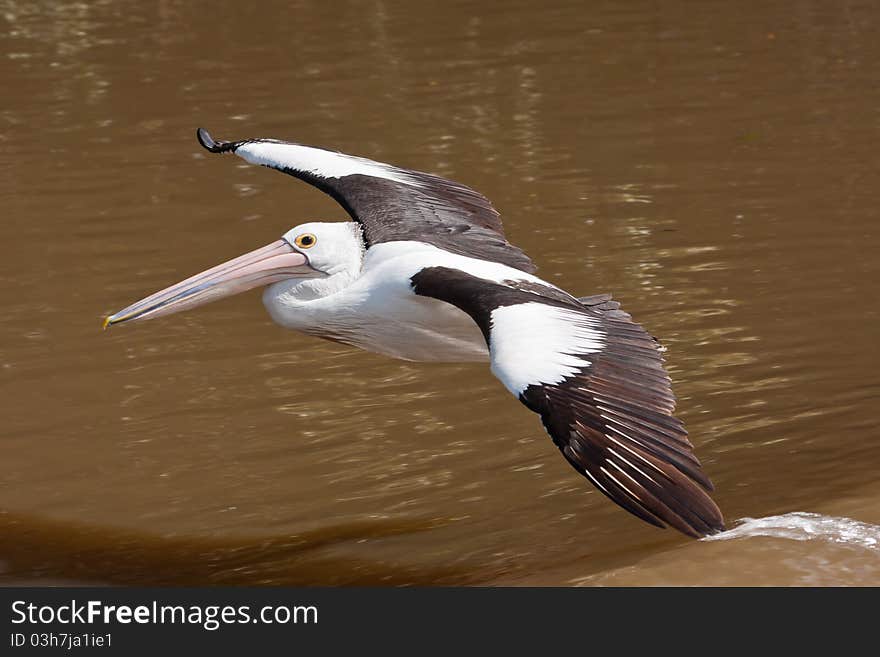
[305, 241]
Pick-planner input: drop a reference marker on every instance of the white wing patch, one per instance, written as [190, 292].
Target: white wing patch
[533, 343]
[317, 161]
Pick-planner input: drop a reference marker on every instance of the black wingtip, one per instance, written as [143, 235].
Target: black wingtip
[209, 144]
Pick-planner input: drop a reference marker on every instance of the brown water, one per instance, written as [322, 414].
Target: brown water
[715, 168]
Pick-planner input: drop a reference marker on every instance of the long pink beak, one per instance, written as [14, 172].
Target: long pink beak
[271, 264]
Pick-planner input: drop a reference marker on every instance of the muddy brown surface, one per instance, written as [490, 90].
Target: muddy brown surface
[714, 168]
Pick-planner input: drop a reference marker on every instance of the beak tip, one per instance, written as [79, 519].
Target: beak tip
[107, 322]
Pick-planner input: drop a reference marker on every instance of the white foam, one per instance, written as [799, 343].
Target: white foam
[802, 526]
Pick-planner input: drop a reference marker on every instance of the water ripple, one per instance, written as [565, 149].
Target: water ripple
[802, 526]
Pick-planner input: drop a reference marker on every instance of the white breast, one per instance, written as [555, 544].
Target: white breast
[379, 311]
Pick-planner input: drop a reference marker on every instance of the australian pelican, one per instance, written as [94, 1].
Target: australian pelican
[424, 273]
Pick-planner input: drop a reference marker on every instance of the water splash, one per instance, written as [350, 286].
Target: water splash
[802, 526]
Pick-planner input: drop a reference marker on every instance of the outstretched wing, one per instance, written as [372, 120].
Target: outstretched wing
[597, 380]
[389, 202]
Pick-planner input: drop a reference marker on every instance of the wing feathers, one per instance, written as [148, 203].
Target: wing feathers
[390, 203]
[608, 403]
[613, 422]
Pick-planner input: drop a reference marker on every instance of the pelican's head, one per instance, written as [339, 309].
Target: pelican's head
[298, 263]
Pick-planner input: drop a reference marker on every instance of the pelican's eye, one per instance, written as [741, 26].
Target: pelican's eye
[305, 241]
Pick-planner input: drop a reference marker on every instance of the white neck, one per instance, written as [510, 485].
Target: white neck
[298, 292]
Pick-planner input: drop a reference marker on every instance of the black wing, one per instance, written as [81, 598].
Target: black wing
[390, 203]
[597, 380]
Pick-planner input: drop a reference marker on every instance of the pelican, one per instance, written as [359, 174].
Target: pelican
[423, 272]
